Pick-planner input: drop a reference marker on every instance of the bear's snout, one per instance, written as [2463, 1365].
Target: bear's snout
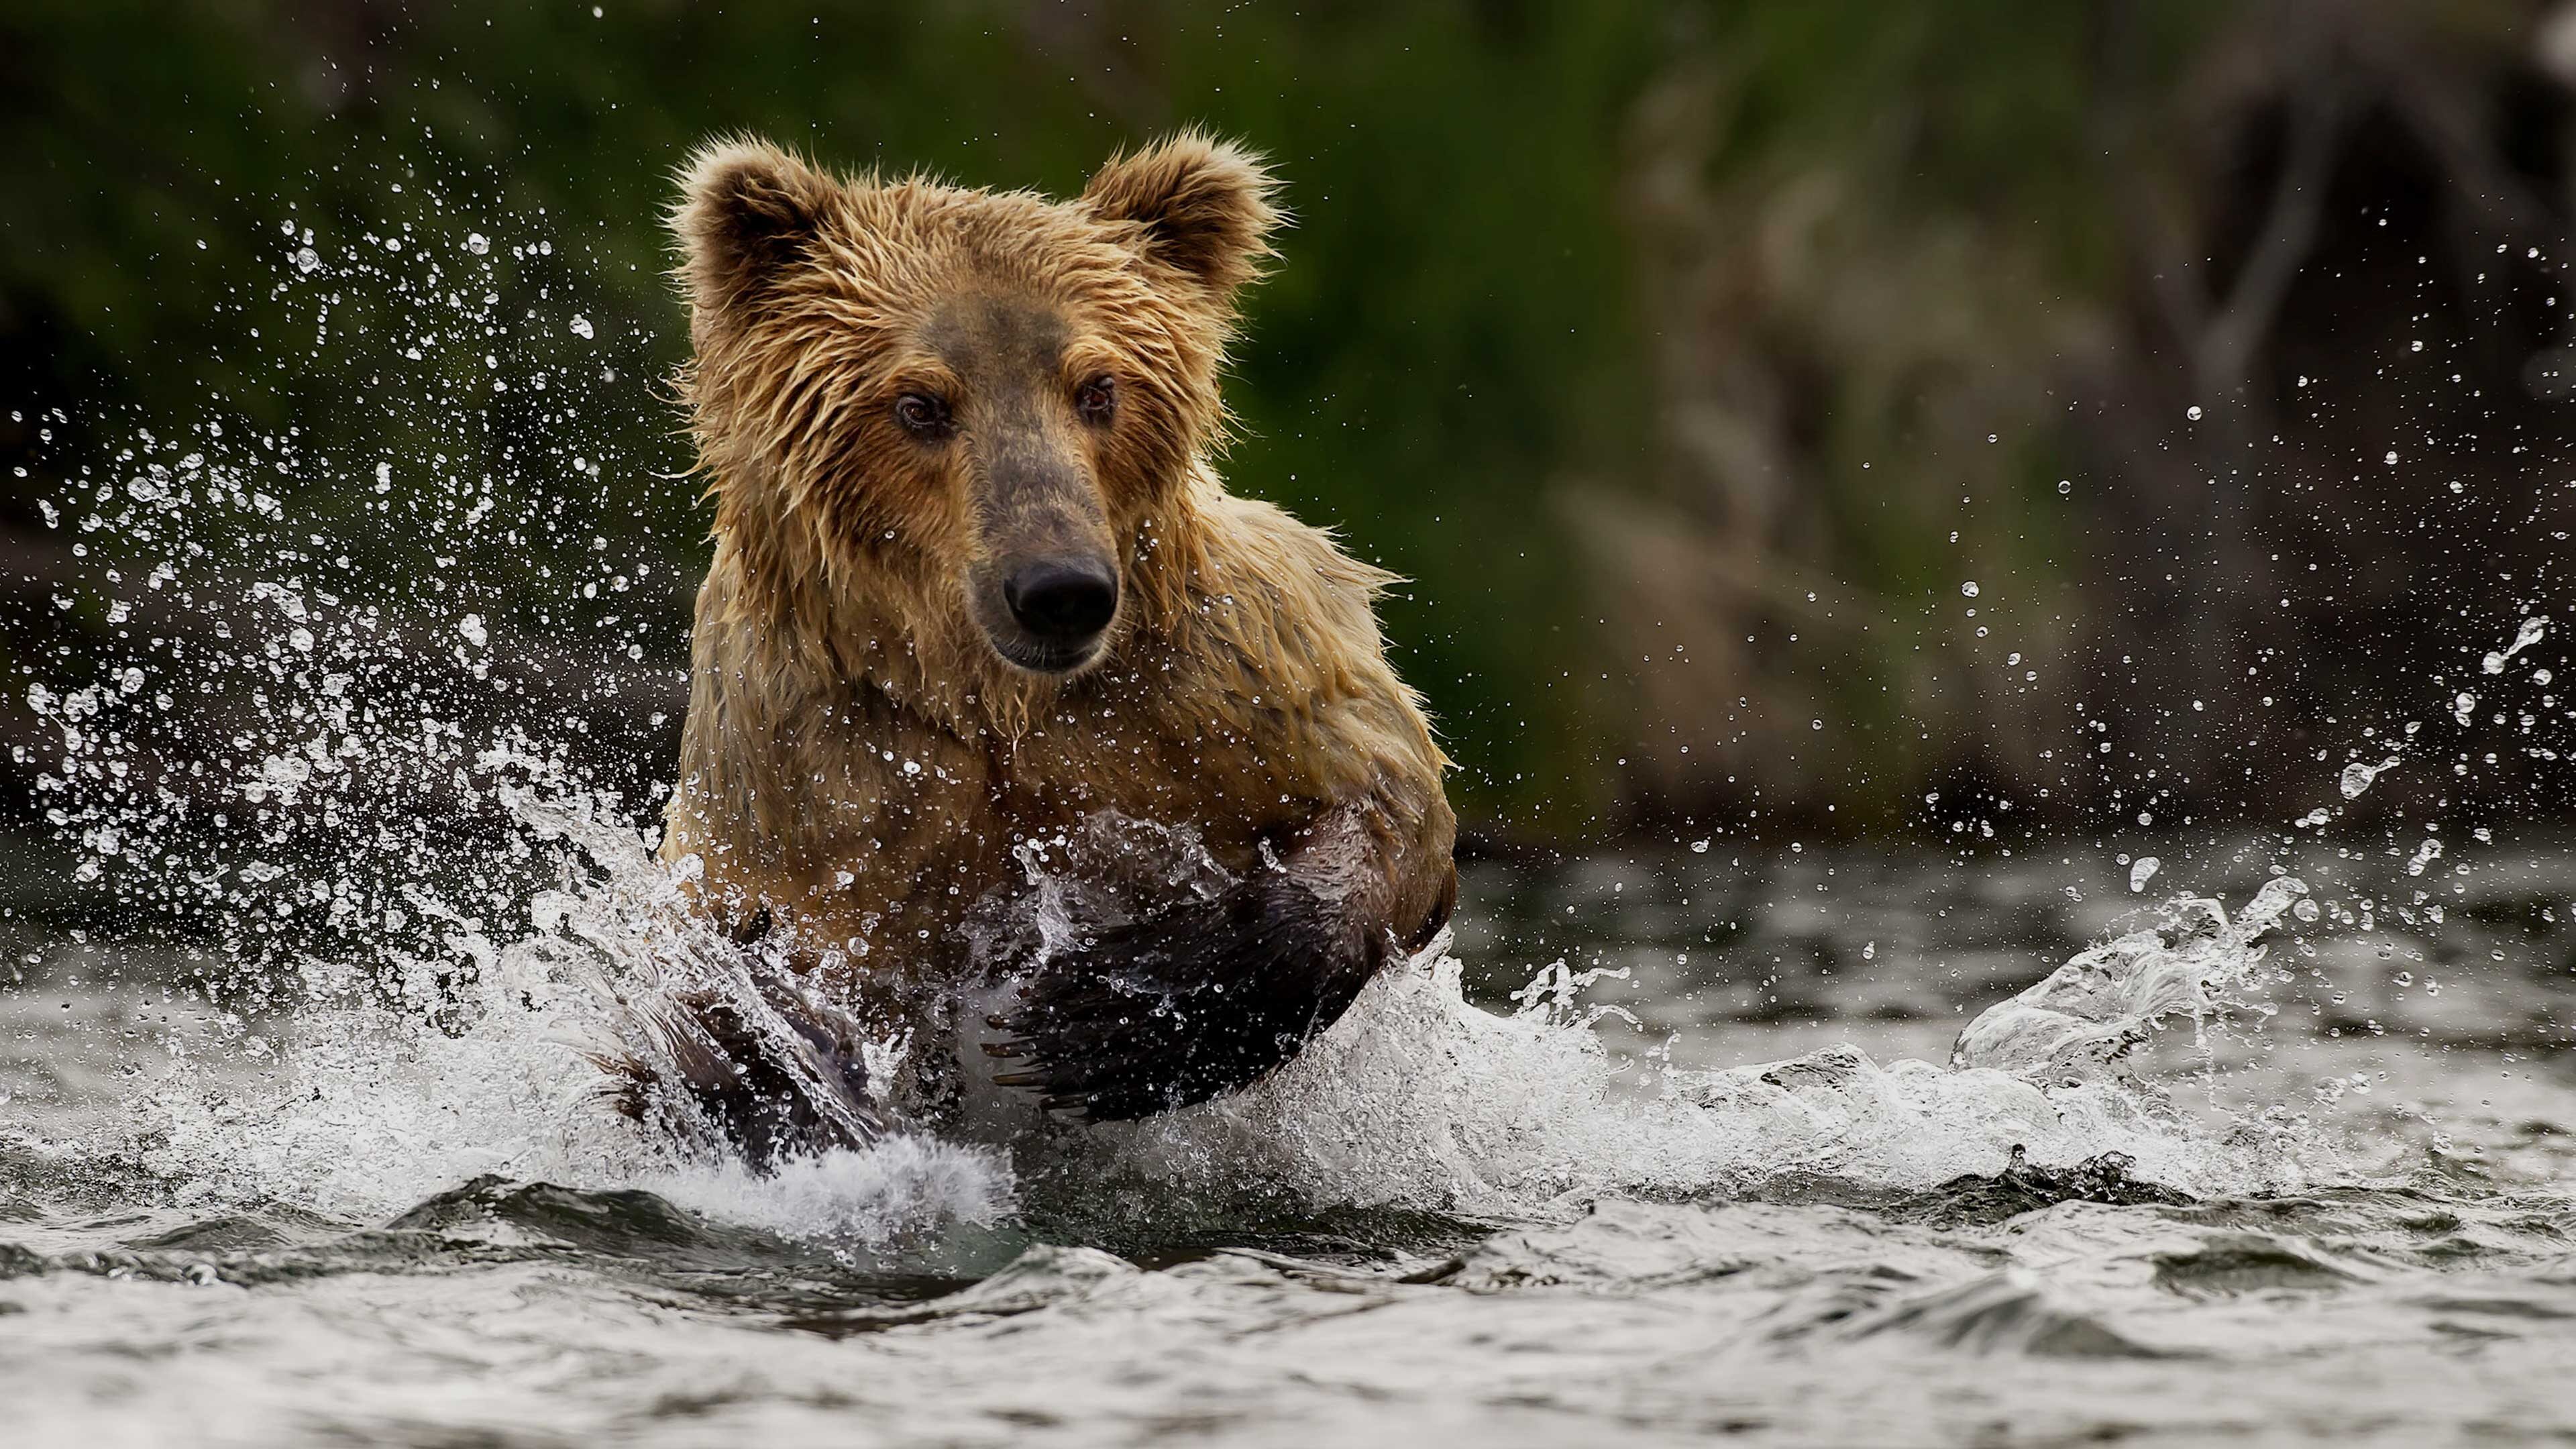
[1048, 614]
[1062, 601]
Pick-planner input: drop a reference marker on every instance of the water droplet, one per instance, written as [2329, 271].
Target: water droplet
[2192, 413]
[1969, 589]
[2357, 776]
[2143, 872]
[471, 626]
[581, 328]
[2425, 854]
[307, 260]
[477, 243]
[2529, 634]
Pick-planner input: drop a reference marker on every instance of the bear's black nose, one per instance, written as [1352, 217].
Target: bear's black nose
[1064, 601]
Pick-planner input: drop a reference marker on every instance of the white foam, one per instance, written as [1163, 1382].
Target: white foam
[1416, 1099]
[361, 1109]
[1420, 1100]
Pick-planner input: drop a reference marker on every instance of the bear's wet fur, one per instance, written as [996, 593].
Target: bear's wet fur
[976, 583]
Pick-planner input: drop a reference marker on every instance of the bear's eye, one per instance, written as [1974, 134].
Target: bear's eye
[1096, 399]
[922, 415]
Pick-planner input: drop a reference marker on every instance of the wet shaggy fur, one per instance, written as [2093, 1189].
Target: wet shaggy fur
[866, 740]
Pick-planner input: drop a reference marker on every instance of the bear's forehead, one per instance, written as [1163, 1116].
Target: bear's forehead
[921, 245]
[1003, 290]
[928, 232]
[997, 330]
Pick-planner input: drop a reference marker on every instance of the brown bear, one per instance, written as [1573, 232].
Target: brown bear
[976, 582]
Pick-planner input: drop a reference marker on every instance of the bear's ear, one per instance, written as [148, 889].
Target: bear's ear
[1201, 206]
[747, 210]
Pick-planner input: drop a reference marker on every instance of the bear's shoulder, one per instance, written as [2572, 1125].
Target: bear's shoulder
[1274, 610]
[1264, 547]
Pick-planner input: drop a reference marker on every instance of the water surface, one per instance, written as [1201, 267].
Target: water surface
[1736, 1192]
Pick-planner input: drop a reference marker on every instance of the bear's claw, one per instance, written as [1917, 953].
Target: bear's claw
[775, 1071]
[1188, 1005]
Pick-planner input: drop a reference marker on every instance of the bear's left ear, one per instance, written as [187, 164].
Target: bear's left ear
[1202, 207]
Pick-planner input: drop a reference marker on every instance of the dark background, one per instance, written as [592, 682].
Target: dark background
[1690, 358]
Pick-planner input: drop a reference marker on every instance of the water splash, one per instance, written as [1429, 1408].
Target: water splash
[1421, 1101]
[1417, 1099]
[2083, 1023]
[360, 1105]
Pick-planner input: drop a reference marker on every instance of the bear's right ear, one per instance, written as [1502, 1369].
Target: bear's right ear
[747, 210]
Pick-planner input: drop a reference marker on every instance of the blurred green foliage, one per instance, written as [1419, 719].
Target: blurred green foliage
[1687, 354]
[1448, 332]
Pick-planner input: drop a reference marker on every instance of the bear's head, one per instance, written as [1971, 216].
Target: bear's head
[972, 409]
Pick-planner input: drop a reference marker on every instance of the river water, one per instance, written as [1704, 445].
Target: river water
[1731, 1187]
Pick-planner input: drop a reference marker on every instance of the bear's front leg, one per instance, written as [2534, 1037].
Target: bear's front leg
[772, 1068]
[1209, 996]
